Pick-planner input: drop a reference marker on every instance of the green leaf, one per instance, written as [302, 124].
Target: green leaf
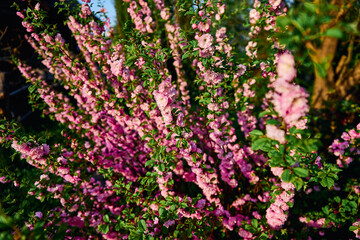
[149, 237]
[130, 60]
[290, 160]
[327, 182]
[162, 212]
[259, 143]
[164, 230]
[264, 236]
[326, 210]
[298, 183]
[272, 122]
[334, 32]
[264, 113]
[353, 228]
[168, 136]
[4, 227]
[149, 163]
[106, 218]
[256, 132]
[286, 175]
[186, 55]
[282, 149]
[145, 136]
[310, 7]
[105, 229]
[254, 222]
[4, 223]
[142, 225]
[301, 172]
[193, 157]
[162, 167]
[32, 88]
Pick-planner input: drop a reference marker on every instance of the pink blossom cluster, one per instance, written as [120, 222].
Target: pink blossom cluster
[142, 16]
[35, 155]
[164, 98]
[346, 147]
[276, 214]
[289, 99]
[319, 223]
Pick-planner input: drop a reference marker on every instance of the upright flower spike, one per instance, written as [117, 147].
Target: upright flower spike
[289, 99]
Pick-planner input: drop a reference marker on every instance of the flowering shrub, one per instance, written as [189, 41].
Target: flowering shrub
[165, 134]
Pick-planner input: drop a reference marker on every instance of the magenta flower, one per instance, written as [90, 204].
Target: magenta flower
[38, 215]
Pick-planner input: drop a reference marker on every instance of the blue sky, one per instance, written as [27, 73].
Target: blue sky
[108, 5]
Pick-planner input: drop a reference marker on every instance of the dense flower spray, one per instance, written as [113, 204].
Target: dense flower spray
[172, 137]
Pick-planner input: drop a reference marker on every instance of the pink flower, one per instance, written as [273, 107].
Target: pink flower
[275, 217]
[274, 3]
[277, 171]
[286, 67]
[161, 100]
[20, 15]
[274, 133]
[256, 215]
[254, 16]
[353, 134]
[205, 41]
[165, 14]
[180, 120]
[257, 3]
[168, 223]
[213, 107]
[76, 222]
[63, 170]
[44, 176]
[37, 6]
[318, 162]
[69, 178]
[46, 149]
[85, 11]
[242, 69]
[167, 118]
[287, 186]
[3, 179]
[38, 215]
[201, 204]
[211, 77]
[205, 26]
[244, 234]
[222, 9]
[291, 104]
